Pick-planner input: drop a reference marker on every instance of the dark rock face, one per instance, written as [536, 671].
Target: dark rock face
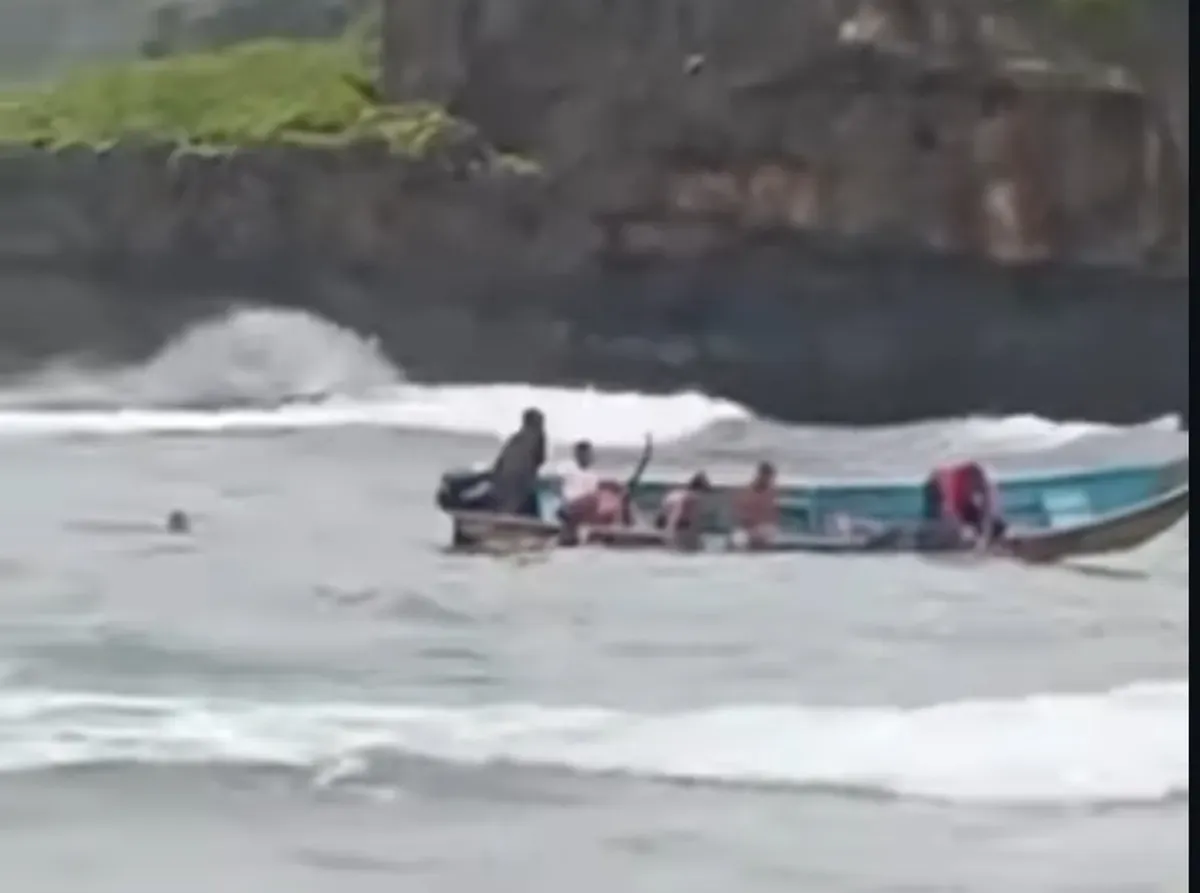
[924, 122]
[468, 271]
[833, 210]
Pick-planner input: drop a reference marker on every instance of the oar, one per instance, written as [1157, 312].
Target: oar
[638, 471]
[643, 461]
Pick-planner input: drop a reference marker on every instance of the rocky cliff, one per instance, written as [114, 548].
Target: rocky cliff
[940, 124]
[475, 271]
[823, 226]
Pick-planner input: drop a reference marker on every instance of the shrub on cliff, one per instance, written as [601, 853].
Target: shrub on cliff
[270, 91]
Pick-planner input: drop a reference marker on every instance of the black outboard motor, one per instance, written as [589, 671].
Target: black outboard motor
[465, 491]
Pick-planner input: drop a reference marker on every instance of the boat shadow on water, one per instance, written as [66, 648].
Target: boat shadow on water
[1108, 573]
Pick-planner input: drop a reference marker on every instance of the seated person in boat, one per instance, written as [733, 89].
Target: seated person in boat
[756, 508]
[580, 482]
[514, 477]
[588, 498]
[682, 510]
[964, 496]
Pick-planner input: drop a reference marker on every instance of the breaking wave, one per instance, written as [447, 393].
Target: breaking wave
[268, 369]
[1126, 745]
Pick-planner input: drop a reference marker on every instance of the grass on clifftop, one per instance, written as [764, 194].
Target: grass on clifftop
[272, 91]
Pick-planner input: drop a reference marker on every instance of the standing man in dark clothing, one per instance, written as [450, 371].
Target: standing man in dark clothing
[515, 472]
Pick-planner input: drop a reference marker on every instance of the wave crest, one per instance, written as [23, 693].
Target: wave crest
[1125, 745]
[269, 369]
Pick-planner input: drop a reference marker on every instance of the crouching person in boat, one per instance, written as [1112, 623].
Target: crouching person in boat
[756, 510]
[964, 497]
[682, 512]
[514, 476]
[508, 486]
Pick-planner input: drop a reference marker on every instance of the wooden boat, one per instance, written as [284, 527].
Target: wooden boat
[1116, 531]
[1036, 501]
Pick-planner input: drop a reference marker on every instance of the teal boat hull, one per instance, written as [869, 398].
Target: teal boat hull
[1046, 500]
[492, 533]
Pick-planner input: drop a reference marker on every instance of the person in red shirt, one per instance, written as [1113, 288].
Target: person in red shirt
[963, 494]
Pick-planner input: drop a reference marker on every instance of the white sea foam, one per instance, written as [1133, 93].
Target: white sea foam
[1129, 744]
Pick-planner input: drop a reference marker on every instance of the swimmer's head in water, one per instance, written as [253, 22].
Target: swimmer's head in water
[699, 483]
[177, 522]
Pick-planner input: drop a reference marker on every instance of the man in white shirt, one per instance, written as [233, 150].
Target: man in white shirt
[590, 499]
[587, 497]
[580, 480]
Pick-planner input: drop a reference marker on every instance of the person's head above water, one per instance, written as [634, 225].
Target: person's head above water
[177, 522]
[699, 483]
[584, 454]
[532, 418]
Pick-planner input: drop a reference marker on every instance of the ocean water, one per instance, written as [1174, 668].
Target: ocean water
[309, 694]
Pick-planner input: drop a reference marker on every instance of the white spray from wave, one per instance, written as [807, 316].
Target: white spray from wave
[270, 370]
[1130, 744]
[248, 357]
[260, 370]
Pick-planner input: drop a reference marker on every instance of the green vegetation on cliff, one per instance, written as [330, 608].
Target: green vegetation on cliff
[316, 93]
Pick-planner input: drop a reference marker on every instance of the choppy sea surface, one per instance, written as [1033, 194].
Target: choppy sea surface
[307, 694]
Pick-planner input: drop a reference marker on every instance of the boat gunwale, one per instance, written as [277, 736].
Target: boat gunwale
[859, 544]
[1032, 479]
[1137, 509]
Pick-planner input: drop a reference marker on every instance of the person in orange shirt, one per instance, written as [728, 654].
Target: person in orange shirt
[756, 507]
